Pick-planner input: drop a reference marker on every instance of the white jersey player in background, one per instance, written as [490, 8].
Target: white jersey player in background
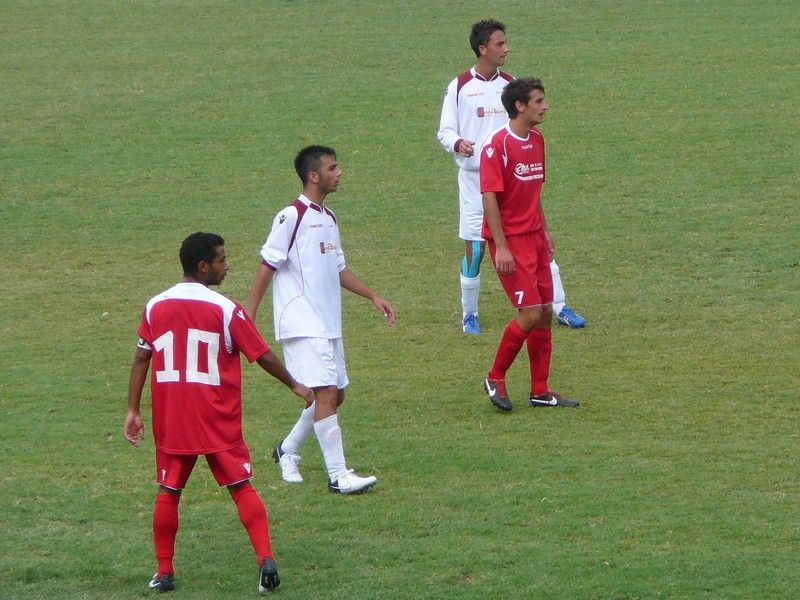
[304, 261]
[471, 111]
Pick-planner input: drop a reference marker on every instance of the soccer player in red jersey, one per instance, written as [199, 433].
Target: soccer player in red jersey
[512, 173]
[193, 336]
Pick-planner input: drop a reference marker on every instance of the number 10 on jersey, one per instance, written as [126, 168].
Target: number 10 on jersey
[194, 337]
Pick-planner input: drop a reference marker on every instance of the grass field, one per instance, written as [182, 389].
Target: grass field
[673, 193]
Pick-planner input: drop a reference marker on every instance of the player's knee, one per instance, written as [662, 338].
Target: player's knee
[530, 317]
[327, 396]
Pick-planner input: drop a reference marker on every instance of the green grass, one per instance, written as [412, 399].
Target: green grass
[672, 192]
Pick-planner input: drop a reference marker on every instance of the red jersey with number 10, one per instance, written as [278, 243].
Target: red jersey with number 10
[196, 336]
[513, 168]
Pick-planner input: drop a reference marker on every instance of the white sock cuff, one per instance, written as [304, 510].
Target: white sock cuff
[471, 283]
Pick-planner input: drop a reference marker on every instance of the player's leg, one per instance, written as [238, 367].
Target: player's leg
[232, 468]
[540, 339]
[523, 297]
[172, 473]
[469, 230]
[564, 314]
[471, 286]
[326, 420]
[253, 515]
[286, 452]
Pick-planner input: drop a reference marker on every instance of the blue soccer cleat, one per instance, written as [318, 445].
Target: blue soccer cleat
[471, 324]
[570, 318]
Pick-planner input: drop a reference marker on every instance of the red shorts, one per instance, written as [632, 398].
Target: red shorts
[229, 467]
[531, 283]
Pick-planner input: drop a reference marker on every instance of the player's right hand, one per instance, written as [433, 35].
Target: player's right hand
[466, 148]
[134, 428]
[503, 261]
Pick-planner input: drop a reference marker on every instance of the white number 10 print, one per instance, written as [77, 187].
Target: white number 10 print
[210, 339]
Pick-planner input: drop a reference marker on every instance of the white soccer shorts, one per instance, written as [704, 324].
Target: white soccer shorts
[470, 204]
[316, 362]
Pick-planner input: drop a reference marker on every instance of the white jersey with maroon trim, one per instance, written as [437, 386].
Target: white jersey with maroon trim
[472, 109]
[304, 250]
[196, 335]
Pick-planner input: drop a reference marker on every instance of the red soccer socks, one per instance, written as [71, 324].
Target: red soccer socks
[165, 527]
[540, 350]
[253, 515]
[510, 345]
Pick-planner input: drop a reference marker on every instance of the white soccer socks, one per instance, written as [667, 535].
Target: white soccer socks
[302, 430]
[559, 296]
[470, 290]
[329, 436]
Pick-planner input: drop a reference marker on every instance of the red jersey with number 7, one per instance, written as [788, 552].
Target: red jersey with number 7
[513, 168]
[196, 335]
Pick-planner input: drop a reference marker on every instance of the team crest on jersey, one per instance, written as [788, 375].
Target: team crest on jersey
[481, 112]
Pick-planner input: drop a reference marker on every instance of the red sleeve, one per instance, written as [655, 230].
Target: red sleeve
[491, 168]
[245, 335]
[144, 329]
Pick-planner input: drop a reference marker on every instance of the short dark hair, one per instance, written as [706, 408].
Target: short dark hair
[198, 247]
[482, 31]
[519, 90]
[309, 159]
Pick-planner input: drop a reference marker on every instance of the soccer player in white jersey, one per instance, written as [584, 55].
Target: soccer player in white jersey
[471, 111]
[193, 337]
[303, 260]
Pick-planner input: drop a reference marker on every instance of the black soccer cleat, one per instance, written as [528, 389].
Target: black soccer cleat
[162, 583]
[496, 388]
[551, 398]
[268, 579]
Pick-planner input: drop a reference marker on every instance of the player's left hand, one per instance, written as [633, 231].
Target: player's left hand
[134, 428]
[387, 310]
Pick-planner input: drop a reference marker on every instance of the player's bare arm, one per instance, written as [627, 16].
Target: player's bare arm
[134, 425]
[257, 290]
[504, 261]
[349, 281]
[273, 365]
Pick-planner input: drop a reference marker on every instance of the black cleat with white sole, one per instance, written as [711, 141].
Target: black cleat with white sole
[550, 399]
[162, 583]
[268, 579]
[496, 388]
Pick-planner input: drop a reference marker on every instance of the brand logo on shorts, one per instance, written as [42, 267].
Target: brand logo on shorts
[163, 474]
[246, 467]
